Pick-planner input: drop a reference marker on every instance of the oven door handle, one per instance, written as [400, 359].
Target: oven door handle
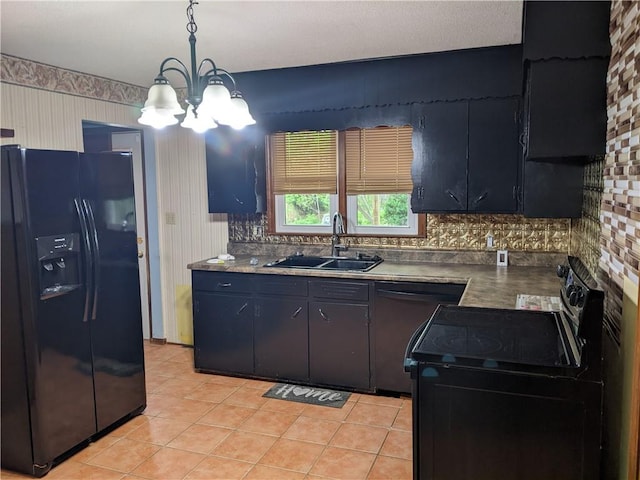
[408, 361]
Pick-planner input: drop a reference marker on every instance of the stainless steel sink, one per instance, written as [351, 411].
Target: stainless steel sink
[359, 263]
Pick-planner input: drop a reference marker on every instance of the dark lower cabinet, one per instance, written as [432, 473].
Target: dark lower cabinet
[281, 335]
[339, 344]
[223, 332]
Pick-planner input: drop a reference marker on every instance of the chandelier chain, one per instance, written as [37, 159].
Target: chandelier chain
[192, 28]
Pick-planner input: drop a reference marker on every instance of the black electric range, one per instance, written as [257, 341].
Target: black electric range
[510, 394]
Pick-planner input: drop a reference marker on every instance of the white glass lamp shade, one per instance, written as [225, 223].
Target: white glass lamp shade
[199, 124]
[239, 115]
[216, 99]
[157, 119]
[162, 96]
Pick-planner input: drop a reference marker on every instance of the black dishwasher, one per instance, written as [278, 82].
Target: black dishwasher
[399, 309]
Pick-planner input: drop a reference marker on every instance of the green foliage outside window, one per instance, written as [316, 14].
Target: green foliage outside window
[384, 210]
[306, 209]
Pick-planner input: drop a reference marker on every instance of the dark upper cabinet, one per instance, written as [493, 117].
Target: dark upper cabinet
[466, 156]
[236, 170]
[567, 29]
[494, 155]
[439, 167]
[565, 108]
[553, 189]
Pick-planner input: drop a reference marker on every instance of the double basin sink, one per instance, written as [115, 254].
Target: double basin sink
[358, 263]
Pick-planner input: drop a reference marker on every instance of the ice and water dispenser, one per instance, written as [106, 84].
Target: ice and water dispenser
[59, 264]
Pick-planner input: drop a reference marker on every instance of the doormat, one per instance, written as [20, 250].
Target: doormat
[311, 395]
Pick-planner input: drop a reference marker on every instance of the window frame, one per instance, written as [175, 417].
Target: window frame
[274, 228]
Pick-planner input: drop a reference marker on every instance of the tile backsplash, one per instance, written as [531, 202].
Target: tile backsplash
[446, 232]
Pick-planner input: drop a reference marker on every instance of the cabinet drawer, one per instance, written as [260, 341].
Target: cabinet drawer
[221, 282]
[339, 290]
[281, 285]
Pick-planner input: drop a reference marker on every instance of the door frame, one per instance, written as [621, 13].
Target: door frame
[156, 325]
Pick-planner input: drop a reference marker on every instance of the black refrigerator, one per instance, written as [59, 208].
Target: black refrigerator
[72, 349]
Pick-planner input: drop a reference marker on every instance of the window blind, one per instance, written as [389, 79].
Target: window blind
[304, 162]
[378, 160]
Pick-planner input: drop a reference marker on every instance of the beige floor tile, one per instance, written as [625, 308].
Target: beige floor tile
[93, 449]
[398, 444]
[186, 410]
[404, 420]
[9, 475]
[158, 430]
[211, 392]
[246, 397]
[169, 464]
[269, 423]
[178, 387]
[387, 468]
[156, 403]
[227, 415]
[372, 414]
[71, 470]
[153, 382]
[262, 472]
[124, 455]
[128, 427]
[218, 468]
[312, 430]
[359, 437]
[343, 464]
[292, 455]
[277, 405]
[381, 400]
[184, 355]
[200, 438]
[328, 413]
[226, 380]
[245, 446]
[263, 385]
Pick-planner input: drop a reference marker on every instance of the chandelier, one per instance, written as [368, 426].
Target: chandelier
[209, 102]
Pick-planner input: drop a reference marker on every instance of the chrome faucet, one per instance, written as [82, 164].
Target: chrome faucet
[338, 228]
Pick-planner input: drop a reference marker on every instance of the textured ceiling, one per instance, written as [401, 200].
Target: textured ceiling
[127, 40]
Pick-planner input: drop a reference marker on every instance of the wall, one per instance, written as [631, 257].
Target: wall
[620, 213]
[46, 105]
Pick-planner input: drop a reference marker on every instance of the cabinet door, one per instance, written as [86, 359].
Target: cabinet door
[494, 155]
[566, 108]
[281, 335]
[223, 332]
[440, 158]
[339, 344]
[235, 170]
[566, 29]
[553, 189]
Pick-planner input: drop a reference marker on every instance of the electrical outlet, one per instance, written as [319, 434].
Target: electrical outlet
[489, 241]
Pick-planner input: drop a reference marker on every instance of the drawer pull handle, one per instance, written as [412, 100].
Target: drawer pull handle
[224, 285]
[323, 315]
[242, 308]
[295, 314]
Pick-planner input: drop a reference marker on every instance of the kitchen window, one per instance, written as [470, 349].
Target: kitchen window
[365, 174]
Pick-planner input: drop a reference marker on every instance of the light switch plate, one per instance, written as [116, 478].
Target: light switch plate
[502, 258]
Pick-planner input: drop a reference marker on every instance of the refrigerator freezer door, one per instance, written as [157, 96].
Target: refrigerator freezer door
[116, 324]
[57, 343]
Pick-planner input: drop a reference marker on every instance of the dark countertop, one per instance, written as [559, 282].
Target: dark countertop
[487, 285]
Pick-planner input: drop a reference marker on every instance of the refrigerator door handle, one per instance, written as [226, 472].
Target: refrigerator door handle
[96, 256]
[88, 258]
